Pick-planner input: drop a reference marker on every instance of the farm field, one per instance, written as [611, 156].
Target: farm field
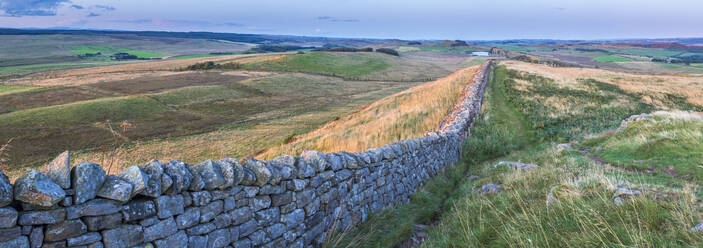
[611, 59]
[126, 114]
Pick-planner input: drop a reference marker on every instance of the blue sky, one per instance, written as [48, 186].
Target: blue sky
[405, 19]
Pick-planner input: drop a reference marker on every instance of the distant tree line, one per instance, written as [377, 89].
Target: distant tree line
[411, 43]
[276, 48]
[388, 51]
[345, 49]
[211, 66]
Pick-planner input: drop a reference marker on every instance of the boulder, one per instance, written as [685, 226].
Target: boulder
[516, 165]
[86, 179]
[490, 188]
[136, 177]
[6, 193]
[59, 170]
[115, 188]
[35, 188]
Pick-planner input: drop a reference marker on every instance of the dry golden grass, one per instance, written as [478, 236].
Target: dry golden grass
[690, 86]
[407, 114]
[82, 76]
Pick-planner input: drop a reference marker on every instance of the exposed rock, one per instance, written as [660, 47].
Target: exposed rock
[64, 230]
[86, 179]
[618, 201]
[180, 175]
[136, 177]
[59, 170]
[123, 236]
[166, 183]
[8, 217]
[116, 189]
[37, 189]
[472, 177]
[490, 188]
[565, 146]
[6, 192]
[697, 228]
[314, 159]
[189, 218]
[229, 173]
[516, 165]
[625, 192]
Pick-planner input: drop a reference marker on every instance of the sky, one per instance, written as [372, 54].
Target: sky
[403, 19]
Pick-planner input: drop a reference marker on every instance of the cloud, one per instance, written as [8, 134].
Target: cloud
[233, 24]
[332, 19]
[76, 6]
[31, 7]
[104, 7]
[92, 15]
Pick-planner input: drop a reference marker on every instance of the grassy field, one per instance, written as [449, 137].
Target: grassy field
[353, 66]
[407, 114]
[583, 181]
[611, 58]
[109, 50]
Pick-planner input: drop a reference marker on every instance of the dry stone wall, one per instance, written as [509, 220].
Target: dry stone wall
[288, 201]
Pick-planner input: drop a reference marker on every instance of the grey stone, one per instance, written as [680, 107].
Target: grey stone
[314, 159]
[37, 189]
[85, 239]
[178, 240]
[154, 170]
[93, 207]
[261, 202]
[201, 229]
[59, 244]
[209, 212]
[26, 230]
[7, 234]
[160, 230]
[6, 192]
[697, 228]
[136, 177]
[36, 237]
[100, 245]
[98, 223]
[272, 189]
[516, 165]
[190, 217]
[19, 242]
[138, 209]
[64, 230]
[247, 228]
[240, 215]
[276, 230]
[167, 206]
[219, 194]
[208, 175]
[180, 175]
[268, 216]
[223, 220]
[295, 218]
[234, 233]
[297, 184]
[281, 199]
[116, 189]
[218, 238]
[625, 192]
[242, 243]
[342, 175]
[237, 168]
[201, 198]
[258, 237]
[261, 171]
[166, 183]
[86, 179]
[229, 203]
[197, 241]
[42, 217]
[490, 188]
[67, 202]
[123, 236]
[228, 173]
[149, 221]
[250, 191]
[59, 170]
[8, 217]
[248, 177]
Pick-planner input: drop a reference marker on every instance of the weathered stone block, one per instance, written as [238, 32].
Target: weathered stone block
[42, 217]
[7, 234]
[136, 177]
[180, 175]
[85, 239]
[167, 206]
[209, 212]
[37, 189]
[190, 217]
[116, 189]
[160, 230]
[201, 229]
[218, 238]
[123, 236]
[240, 215]
[178, 240]
[94, 207]
[64, 230]
[19, 242]
[138, 209]
[8, 217]
[98, 223]
[59, 170]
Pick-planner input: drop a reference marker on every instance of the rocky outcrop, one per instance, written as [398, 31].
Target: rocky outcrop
[288, 201]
